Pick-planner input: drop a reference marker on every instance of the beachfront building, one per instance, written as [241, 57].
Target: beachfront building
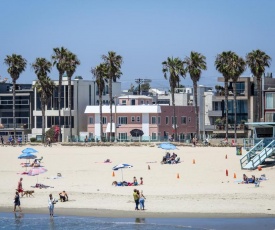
[138, 112]
[23, 110]
[84, 92]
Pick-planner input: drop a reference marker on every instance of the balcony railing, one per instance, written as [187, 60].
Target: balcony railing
[216, 113]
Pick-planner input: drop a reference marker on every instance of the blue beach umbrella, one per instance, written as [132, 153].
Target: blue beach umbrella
[29, 150]
[121, 167]
[167, 146]
[27, 156]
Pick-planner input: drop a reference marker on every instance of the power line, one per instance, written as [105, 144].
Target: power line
[141, 81]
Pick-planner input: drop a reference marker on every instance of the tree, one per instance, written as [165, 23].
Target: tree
[194, 66]
[43, 85]
[16, 65]
[238, 67]
[59, 59]
[100, 73]
[224, 64]
[113, 63]
[257, 60]
[71, 64]
[175, 67]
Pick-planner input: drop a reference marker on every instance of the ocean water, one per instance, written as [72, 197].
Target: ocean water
[23, 221]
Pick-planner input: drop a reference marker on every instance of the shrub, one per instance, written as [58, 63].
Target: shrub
[33, 139]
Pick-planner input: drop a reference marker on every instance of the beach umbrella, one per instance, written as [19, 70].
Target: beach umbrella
[29, 150]
[121, 167]
[27, 155]
[167, 146]
[35, 171]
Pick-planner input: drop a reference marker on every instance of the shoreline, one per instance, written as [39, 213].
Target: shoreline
[106, 213]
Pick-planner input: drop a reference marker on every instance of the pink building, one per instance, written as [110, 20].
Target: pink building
[138, 112]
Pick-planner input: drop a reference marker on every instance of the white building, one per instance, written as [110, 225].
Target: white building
[84, 93]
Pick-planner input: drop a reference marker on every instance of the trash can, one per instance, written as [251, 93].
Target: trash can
[238, 150]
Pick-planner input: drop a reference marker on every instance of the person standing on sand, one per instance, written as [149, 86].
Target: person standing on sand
[141, 200]
[17, 202]
[136, 199]
[51, 203]
[20, 187]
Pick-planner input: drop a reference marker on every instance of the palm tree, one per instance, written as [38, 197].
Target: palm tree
[238, 67]
[113, 63]
[100, 73]
[224, 63]
[257, 60]
[176, 69]
[43, 85]
[59, 58]
[71, 64]
[16, 65]
[194, 65]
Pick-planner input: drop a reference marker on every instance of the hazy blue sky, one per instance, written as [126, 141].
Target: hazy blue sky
[143, 32]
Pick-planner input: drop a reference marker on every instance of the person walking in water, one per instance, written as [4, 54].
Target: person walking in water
[17, 202]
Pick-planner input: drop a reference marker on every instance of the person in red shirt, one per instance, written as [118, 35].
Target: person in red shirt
[20, 187]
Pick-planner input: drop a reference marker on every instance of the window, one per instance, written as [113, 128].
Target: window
[138, 119]
[142, 102]
[104, 120]
[133, 102]
[269, 117]
[133, 119]
[176, 120]
[158, 119]
[166, 120]
[181, 136]
[153, 120]
[270, 100]
[122, 136]
[183, 120]
[122, 120]
[154, 136]
[123, 102]
[91, 120]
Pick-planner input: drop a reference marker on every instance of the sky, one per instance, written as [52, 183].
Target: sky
[144, 32]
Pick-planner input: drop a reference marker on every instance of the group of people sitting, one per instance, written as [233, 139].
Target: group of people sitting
[125, 183]
[170, 159]
[252, 180]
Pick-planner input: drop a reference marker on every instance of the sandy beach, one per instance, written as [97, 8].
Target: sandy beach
[202, 189]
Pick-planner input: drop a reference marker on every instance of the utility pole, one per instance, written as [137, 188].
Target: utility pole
[141, 81]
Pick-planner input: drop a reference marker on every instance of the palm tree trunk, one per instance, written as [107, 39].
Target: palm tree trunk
[100, 114]
[235, 112]
[174, 114]
[70, 105]
[43, 118]
[59, 107]
[259, 96]
[111, 106]
[195, 86]
[13, 110]
[226, 107]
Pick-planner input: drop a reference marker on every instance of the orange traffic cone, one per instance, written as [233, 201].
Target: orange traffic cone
[226, 172]
[226, 156]
[149, 167]
[235, 175]
[113, 173]
[194, 162]
[259, 168]
[178, 176]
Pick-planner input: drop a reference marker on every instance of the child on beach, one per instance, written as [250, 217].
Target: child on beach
[141, 181]
[17, 202]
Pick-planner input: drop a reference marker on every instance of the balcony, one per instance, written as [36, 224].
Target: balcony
[17, 126]
[216, 113]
